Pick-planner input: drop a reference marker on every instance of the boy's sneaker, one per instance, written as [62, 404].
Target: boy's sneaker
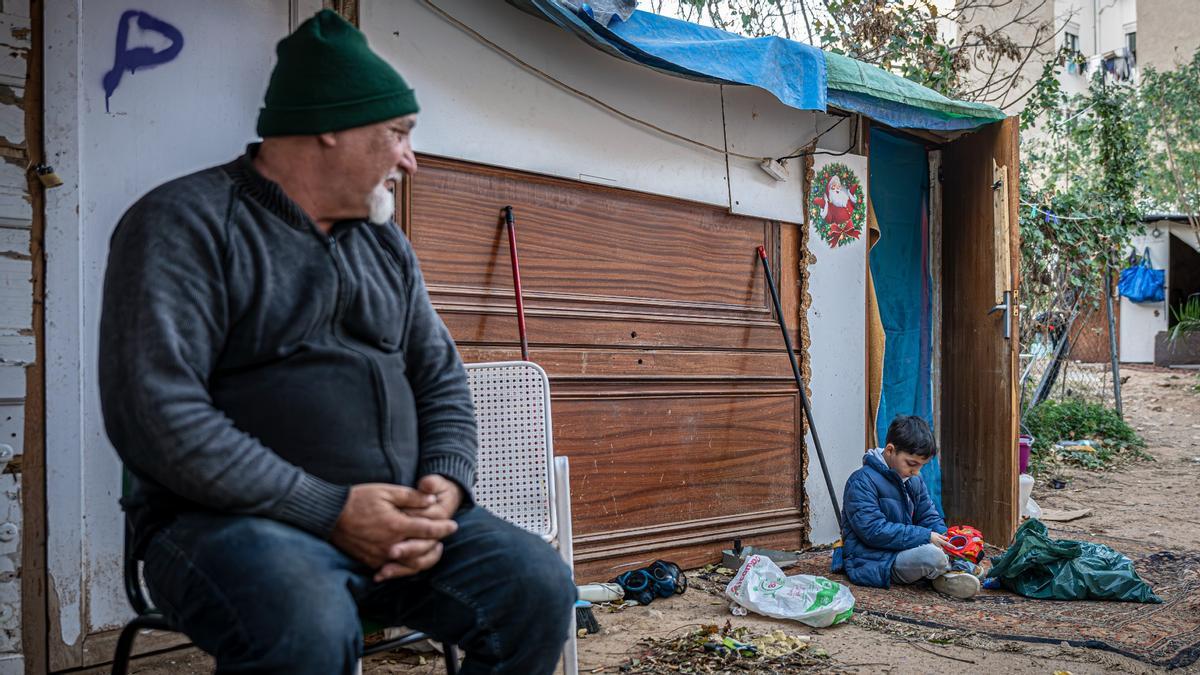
[961, 585]
[960, 565]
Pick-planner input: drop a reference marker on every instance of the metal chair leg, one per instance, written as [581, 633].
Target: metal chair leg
[451, 658]
[125, 642]
[124, 647]
[566, 548]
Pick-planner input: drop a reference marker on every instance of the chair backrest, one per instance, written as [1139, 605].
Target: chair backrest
[516, 450]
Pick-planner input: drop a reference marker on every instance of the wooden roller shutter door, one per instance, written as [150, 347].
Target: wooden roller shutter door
[672, 394]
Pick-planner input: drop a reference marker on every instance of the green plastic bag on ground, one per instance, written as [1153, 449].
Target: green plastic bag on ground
[1037, 566]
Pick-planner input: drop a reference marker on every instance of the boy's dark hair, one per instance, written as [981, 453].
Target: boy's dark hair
[911, 434]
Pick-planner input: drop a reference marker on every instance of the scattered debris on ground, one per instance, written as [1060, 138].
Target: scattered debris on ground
[728, 649]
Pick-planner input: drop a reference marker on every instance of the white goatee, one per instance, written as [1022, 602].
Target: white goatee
[381, 205]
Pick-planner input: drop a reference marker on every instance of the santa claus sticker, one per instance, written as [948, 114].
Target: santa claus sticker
[837, 204]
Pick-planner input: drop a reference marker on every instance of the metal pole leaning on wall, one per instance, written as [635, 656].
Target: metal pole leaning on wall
[516, 272]
[1112, 335]
[808, 415]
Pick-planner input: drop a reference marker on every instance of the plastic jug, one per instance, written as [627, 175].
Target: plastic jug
[608, 592]
[1025, 488]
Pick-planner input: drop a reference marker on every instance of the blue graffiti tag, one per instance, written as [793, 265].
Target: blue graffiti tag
[139, 57]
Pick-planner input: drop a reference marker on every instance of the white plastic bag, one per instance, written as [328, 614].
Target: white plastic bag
[1029, 508]
[762, 587]
[1032, 510]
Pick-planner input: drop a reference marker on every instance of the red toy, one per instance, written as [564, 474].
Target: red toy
[966, 542]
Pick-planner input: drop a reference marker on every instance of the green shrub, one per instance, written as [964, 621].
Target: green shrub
[1051, 421]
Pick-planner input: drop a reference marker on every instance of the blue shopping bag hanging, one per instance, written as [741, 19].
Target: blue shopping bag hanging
[1140, 282]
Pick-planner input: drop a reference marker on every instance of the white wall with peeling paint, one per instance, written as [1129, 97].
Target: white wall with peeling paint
[16, 315]
[161, 122]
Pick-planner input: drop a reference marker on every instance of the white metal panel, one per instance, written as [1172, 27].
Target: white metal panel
[12, 118]
[194, 111]
[16, 281]
[478, 105]
[12, 407]
[15, 209]
[64, 301]
[759, 126]
[16, 7]
[10, 563]
[837, 328]
[14, 40]
[12, 384]
[12, 664]
[16, 350]
[1141, 321]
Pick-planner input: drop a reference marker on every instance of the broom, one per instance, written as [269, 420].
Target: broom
[585, 618]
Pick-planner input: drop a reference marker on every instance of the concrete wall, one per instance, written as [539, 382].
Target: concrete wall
[1096, 36]
[1168, 32]
[1037, 26]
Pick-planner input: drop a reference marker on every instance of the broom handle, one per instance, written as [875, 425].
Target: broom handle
[516, 269]
[808, 415]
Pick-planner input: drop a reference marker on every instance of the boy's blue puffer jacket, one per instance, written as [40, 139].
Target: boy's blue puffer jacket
[882, 515]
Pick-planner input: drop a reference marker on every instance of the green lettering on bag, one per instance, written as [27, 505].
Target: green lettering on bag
[825, 595]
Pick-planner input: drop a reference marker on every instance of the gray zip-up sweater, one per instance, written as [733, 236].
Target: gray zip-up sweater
[251, 364]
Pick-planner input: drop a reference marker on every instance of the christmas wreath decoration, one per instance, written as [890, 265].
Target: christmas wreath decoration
[838, 224]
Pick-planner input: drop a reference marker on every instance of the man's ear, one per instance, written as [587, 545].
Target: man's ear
[327, 139]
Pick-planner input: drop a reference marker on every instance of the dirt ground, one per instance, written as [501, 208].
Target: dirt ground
[1139, 501]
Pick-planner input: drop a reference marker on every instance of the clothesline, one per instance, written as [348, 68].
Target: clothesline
[1035, 207]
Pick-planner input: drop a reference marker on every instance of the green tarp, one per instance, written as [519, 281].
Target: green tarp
[854, 85]
[1037, 566]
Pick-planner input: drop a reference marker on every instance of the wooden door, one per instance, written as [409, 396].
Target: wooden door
[672, 394]
[979, 397]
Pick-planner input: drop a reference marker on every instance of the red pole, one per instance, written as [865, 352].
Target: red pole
[516, 268]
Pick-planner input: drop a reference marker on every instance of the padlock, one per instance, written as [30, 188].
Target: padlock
[45, 173]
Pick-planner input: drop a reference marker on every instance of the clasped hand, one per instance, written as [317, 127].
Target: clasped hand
[396, 530]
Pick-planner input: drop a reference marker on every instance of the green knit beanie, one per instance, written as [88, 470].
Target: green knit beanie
[328, 79]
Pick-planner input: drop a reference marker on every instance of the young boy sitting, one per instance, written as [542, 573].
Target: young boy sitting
[890, 528]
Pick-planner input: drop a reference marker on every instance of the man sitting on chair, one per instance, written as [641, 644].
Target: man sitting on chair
[293, 412]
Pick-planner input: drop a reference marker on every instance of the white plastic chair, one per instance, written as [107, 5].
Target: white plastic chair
[519, 478]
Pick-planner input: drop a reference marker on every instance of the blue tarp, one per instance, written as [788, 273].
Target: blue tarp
[899, 181]
[799, 75]
[793, 72]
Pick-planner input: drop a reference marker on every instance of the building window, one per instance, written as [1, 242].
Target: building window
[1071, 43]
[1131, 44]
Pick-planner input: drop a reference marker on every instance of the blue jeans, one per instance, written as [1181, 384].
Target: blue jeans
[923, 562]
[265, 597]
